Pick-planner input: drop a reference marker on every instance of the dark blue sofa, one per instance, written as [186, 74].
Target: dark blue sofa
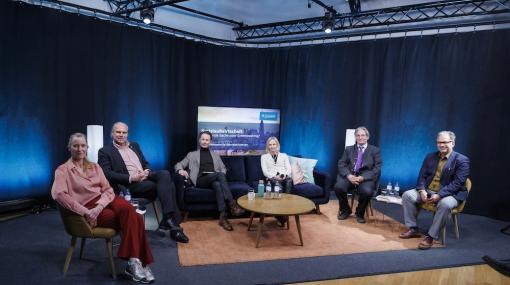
[243, 173]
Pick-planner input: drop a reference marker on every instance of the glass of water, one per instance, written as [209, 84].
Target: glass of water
[251, 194]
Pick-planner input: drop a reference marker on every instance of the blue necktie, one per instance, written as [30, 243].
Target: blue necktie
[359, 160]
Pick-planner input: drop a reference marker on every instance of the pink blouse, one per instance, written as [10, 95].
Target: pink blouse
[74, 189]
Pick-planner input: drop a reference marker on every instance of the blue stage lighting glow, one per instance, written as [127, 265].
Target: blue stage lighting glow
[25, 166]
[310, 140]
[148, 132]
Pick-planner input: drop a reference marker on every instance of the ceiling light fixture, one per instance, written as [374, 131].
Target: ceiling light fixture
[328, 24]
[147, 15]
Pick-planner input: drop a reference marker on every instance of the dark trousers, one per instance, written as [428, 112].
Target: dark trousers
[286, 184]
[158, 183]
[218, 182]
[365, 192]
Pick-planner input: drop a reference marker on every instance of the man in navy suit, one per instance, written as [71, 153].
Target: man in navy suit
[360, 166]
[124, 166]
[442, 181]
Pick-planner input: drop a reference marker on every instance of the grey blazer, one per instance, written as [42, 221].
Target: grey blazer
[192, 162]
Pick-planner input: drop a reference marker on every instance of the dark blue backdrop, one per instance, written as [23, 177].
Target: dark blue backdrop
[60, 72]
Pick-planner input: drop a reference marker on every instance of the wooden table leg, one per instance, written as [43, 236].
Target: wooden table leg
[259, 229]
[287, 218]
[299, 229]
[251, 220]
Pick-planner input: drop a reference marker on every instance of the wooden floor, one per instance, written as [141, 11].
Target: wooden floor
[465, 275]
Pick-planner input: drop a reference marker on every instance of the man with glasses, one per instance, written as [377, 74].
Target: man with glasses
[442, 181]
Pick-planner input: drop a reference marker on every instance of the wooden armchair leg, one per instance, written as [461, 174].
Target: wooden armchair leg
[69, 254]
[443, 236]
[82, 247]
[109, 246]
[456, 225]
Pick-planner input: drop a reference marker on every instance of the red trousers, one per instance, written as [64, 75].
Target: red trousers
[121, 215]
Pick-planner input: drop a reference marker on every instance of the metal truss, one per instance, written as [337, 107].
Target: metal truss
[384, 17]
[129, 6]
[126, 7]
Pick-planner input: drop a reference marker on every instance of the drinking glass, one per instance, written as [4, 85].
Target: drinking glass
[251, 194]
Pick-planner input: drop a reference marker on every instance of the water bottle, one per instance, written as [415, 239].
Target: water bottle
[127, 195]
[396, 189]
[267, 195]
[277, 188]
[260, 188]
[389, 188]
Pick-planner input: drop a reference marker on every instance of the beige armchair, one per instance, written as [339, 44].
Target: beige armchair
[77, 227]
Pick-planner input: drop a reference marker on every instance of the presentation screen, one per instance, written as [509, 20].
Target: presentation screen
[239, 131]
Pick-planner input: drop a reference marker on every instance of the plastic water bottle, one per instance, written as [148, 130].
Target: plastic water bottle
[267, 195]
[396, 189]
[389, 188]
[277, 188]
[260, 188]
[127, 195]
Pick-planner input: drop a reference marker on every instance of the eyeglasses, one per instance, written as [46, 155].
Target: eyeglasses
[445, 142]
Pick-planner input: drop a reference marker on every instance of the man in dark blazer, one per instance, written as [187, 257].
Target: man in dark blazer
[442, 181]
[359, 166]
[124, 166]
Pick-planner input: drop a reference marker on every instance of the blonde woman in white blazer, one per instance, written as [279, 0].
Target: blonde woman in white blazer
[276, 165]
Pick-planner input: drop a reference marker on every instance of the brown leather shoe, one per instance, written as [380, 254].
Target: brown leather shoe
[411, 233]
[235, 210]
[225, 224]
[426, 243]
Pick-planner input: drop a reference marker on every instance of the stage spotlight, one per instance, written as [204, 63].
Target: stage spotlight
[328, 24]
[147, 15]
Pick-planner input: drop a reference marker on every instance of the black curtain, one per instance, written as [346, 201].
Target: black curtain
[60, 72]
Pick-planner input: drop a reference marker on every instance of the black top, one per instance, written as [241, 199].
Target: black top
[206, 161]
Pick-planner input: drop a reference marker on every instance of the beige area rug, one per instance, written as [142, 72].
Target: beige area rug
[322, 235]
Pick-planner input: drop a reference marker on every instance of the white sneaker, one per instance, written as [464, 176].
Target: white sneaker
[149, 277]
[135, 270]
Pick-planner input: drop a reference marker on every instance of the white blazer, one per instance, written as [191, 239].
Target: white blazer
[270, 167]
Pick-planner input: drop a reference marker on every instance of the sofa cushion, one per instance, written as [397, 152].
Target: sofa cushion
[239, 189]
[199, 195]
[253, 169]
[308, 190]
[297, 174]
[235, 168]
[307, 165]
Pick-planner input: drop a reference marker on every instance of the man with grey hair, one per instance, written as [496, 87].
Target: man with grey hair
[124, 166]
[359, 167]
[442, 181]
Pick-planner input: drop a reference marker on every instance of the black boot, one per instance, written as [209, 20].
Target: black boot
[224, 223]
[281, 220]
[176, 232]
[235, 210]
[179, 236]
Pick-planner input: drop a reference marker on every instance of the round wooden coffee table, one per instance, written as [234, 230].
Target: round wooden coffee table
[288, 205]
